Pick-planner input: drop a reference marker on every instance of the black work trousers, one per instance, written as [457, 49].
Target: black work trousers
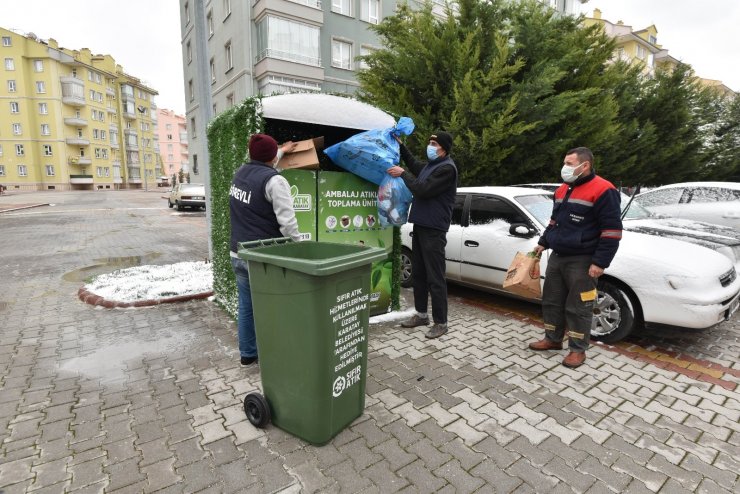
[428, 268]
[568, 300]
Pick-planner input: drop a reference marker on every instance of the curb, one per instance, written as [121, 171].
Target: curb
[17, 208]
[92, 299]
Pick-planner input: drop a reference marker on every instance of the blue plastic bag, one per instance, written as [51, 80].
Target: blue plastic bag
[369, 154]
[394, 200]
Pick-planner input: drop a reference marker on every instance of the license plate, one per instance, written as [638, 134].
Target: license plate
[198, 198]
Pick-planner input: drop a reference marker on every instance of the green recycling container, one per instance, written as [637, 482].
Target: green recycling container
[311, 311]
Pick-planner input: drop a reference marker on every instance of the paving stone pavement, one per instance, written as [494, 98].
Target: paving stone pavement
[150, 399]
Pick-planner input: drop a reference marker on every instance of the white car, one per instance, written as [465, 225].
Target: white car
[187, 195]
[661, 275]
[713, 202]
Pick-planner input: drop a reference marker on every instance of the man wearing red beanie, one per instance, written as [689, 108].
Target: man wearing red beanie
[261, 208]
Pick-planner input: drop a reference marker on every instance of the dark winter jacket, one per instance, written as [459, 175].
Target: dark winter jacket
[586, 219]
[434, 185]
[252, 215]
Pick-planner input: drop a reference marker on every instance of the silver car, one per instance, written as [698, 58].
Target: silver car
[187, 196]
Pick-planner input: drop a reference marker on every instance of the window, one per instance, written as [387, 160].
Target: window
[457, 209]
[187, 13]
[17, 130]
[227, 9]
[168, 126]
[15, 107]
[104, 154]
[192, 127]
[19, 151]
[341, 54]
[169, 137]
[288, 40]
[98, 154]
[209, 22]
[102, 134]
[106, 171]
[189, 51]
[9, 64]
[11, 86]
[38, 65]
[652, 40]
[47, 149]
[195, 164]
[661, 197]
[229, 57]
[365, 51]
[49, 170]
[1, 149]
[2, 170]
[100, 171]
[7, 41]
[213, 71]
[489, 209]
[641, 52]
[40, 87]
[22, 171]
[230, 100]
[96, 134]
[370, 11]
[191, 90]
[45, 131]
[341, 6]
[43, 109]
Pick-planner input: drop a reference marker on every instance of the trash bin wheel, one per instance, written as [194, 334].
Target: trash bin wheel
[257, 410]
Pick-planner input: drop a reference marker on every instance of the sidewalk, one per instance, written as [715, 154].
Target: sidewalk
[150, 400]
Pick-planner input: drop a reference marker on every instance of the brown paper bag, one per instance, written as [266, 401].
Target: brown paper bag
[523, 276]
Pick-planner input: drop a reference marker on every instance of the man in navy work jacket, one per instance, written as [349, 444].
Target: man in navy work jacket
[584, 233]
[261, 208]
[434, 185]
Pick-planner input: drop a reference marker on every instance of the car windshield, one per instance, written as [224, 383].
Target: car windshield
[540, 206]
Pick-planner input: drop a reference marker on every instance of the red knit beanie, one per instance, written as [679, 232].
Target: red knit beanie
[262, 148]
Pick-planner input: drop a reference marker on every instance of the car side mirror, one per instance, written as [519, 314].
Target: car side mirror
[522, 230]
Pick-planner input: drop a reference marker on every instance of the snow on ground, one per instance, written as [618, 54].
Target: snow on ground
[392, 316]
[154, 282]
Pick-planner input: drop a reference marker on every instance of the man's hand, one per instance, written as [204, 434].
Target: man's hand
[395, 171]
[538, 249]
[595, 271]
[288, 146]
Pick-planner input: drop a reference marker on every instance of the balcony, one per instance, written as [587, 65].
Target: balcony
[132, 147]
[77, 141]
[114, 145]
[81, 179]
[110, 91]
[111, 109]
[128, 115]
[79, 160]
[75, 121]
[73, 91]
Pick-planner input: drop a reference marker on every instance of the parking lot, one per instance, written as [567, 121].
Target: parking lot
[150, 399]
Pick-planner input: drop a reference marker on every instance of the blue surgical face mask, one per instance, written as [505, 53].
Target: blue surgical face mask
[431, 152]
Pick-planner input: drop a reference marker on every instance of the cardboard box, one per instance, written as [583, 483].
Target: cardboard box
[304, 156]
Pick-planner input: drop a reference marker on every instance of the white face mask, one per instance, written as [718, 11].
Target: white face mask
[568, 173]
[277, 159]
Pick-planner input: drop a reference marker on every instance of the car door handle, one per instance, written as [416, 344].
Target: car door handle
[471, 243]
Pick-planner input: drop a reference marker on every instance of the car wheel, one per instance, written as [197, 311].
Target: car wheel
[406, 274]
[169, 204]
[614, 313]
[179, 206]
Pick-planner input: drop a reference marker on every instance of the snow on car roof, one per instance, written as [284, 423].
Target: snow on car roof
[326, 109]
[729, 185]
[507, 191]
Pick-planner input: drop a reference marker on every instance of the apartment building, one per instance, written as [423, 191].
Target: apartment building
[278, 46]
[173, 142]
[71, 119]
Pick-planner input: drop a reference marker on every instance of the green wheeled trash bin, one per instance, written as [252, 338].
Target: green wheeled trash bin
[311, 311]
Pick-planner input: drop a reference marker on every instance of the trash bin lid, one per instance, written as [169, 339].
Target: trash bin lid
[314, 258]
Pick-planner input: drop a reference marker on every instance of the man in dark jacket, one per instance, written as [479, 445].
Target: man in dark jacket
[434, 185]
[261, 208]
[584, 233]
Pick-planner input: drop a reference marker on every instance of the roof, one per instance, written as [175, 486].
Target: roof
[504, 191]
[727, 185]
[325, 109]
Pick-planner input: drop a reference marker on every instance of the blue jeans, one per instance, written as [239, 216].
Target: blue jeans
[245, 314]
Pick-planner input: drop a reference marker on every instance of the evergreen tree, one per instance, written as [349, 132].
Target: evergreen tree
[723, 148]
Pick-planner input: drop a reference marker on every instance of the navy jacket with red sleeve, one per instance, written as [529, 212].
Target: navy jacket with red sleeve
[586, 219]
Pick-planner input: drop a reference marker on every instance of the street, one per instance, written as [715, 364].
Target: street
[150, 399]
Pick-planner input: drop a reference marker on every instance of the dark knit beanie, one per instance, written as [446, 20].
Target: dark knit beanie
[262, 148]
[444, 139]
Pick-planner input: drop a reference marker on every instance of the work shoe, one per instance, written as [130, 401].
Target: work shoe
[415, 321]
[574, 359]
[437, 330]
[545, 344]
[249, 360]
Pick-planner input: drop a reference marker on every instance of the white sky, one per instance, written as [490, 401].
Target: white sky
[703, 33]
[144, 35]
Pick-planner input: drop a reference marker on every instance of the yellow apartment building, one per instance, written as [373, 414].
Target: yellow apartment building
[642, 47]
[70, 119]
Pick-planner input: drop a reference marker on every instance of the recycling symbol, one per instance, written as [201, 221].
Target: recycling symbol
[339, 385]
